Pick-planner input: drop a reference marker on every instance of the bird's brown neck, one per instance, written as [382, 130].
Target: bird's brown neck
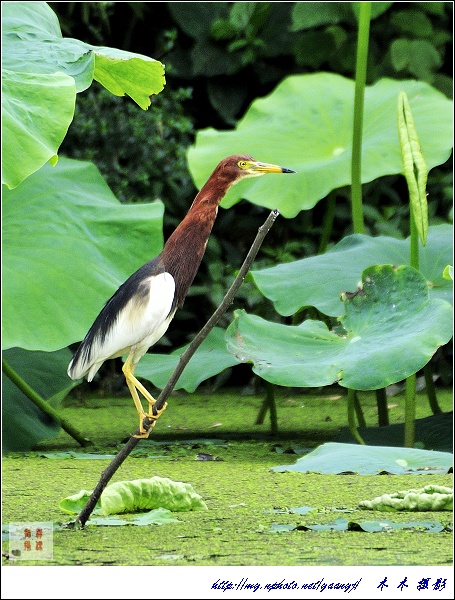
[183, 251]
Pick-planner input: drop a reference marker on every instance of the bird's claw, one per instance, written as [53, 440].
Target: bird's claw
[144, 433]
[152, 417]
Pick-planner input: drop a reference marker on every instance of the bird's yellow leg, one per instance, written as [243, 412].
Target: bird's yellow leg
[134, 385]
[140, 411]
[147, 395]
[151, 400]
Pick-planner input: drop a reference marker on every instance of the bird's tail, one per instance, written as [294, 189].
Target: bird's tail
[80, 365]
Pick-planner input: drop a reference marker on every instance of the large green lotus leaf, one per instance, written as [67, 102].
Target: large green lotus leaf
[391, 329]
[68, 244]
[305, 124]
[319, 280]
[123, 73]
[211, 358]
[23, 423]
[41, 73]
[33, 43]
[36, 113]
[333, 458]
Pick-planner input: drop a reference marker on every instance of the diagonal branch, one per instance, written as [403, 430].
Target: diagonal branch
[108, 473]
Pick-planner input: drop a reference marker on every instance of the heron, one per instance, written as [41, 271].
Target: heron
[140, 311]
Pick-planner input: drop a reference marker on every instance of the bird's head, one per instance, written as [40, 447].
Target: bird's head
[230, 171]
[241, 166]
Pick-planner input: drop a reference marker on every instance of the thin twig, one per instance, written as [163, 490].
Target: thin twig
[108, 473]
[227, 301]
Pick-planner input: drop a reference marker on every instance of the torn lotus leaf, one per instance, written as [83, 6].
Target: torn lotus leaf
[140, 495]
[428, 498]
[145, 494]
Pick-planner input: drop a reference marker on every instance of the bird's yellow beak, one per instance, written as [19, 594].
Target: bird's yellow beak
[260, 168]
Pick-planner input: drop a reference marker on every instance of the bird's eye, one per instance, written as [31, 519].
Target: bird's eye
[242, 164]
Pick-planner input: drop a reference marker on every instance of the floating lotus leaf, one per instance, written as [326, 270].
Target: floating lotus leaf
[140, 495]
[428, 498]
[364, 526]
[333, 458]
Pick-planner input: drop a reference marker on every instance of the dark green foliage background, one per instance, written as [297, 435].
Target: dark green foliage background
[219, 57]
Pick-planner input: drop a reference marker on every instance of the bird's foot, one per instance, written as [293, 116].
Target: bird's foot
[144, 433]
[152, 417]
